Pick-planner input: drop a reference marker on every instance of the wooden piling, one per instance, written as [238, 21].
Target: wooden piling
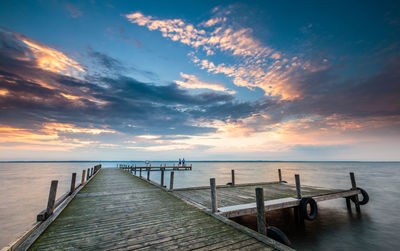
[298, 189]
[299, 219]
[348, 204]
[280, 175]
[140, 173]
[354, 187]
[261, 222]
[88, 174]
[162, 177]
[148, 173]
[52, 198]
[214, 202]
[83, 176]
[135, 170]
[233, 177]
[73, 179]
[171, 181]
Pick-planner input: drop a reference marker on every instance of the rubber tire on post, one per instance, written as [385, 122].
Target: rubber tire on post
[277, 235]
[313, 206]
[364, 195]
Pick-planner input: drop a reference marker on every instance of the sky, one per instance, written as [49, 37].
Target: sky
[204, 80]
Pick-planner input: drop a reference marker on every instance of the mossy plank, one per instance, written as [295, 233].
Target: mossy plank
[116, 210]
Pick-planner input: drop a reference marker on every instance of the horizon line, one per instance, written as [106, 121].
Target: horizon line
[43, 161]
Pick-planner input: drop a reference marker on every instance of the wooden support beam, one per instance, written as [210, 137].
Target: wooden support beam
[261, 222]
[52, 198]
[88, 174]
[214, 202]
[73, 179]
[298, 189]
[140, 173]
[171, 181]
[162, 178]
[83, 176]
[135, 170]
[348, 204]
[91, 172]
[233, 177]
[280, 175]
[148, 173]
[354, 187]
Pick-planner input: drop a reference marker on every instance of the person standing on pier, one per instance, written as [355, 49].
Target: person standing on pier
[179, 162]
[183, 161]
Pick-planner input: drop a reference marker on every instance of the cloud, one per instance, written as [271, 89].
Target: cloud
[73, 11]
[258, 65]
[54, 107]
[192, 82]
[48, 108]
[18, 48]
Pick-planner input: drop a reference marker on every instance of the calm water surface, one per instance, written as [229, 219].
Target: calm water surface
[24, 190]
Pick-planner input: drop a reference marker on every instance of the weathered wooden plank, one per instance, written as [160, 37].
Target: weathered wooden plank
[226, 186]
[230, 196]
[42, 227]
[250, 208]
[120, 218]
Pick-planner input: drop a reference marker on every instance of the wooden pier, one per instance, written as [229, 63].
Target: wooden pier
[234, 200]
[239, 200]
[164, 167]
[116, 210]
[119, 209]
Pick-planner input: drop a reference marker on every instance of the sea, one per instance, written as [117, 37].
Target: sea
[24, 188]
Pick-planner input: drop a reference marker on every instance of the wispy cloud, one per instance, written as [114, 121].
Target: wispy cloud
[258, 64]
[73, 11]
[46, 105]
[192, 82]
[50, 59]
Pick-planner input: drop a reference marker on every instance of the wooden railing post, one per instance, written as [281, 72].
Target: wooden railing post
[83, 176]
[280, 175]
[148, 173]
[298, 189]
[91, 172]
[261, 222]
[233, 177]
[171, 181]
[214, 202]
[354, 187]
[162, 177]
[52, 198]
[135, 170]
[140, 173]
[73, 179]
[88, 174]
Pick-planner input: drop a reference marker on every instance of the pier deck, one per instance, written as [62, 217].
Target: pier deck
[116, 210]
[240, 200]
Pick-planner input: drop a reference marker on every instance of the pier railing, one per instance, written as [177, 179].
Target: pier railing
[299, 201]
[156, 168]
[46, 216]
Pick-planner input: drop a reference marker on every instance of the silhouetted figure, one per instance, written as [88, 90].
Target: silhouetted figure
[183, 161]
[179, 162]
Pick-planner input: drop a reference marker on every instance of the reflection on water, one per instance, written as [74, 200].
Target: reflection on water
[24, 190]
